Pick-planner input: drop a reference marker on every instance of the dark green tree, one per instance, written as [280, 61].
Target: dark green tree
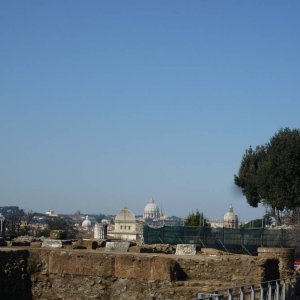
[196, 219]
[58, 223]
[248, 174]
[270, 174]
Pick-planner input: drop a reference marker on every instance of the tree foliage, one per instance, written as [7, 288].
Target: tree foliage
[13, 223]
[270, 174]
[195, 219]
[17, 223]
[57, 223]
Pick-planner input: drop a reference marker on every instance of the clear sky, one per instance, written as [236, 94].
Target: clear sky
[105, 104]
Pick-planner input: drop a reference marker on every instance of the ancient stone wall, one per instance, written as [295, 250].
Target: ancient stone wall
[39, 273]
[232, 269]
[15, 282]
[94, 263]
[135, 275]
[285, 256]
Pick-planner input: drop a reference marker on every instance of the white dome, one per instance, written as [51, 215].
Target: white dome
[125, 215]
[151, 211]
[230, 219]
[86, 222]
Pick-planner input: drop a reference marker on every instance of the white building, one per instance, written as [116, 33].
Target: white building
[151, 211]
[51, 213]
[86, 223]
[100, 231]
[126, 226]
[231, 219]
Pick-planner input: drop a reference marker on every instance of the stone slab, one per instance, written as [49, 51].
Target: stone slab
[36, 244]
[17, 244]
[84, 244]
[117, 246]
[52, 244]
[48, 243]
[186, 249]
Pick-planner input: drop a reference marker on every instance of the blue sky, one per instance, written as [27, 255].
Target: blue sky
[105, 104]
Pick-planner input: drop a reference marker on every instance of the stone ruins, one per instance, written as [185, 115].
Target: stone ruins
[90, 269]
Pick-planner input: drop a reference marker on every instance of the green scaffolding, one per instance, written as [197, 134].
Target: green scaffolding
[226, 239]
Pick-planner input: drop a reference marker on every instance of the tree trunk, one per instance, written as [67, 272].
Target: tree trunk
[277, 216]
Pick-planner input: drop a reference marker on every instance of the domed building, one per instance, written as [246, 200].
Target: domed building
[151, 211]
[231, 219]
[126, 226]
[86, 223]
[125, 215]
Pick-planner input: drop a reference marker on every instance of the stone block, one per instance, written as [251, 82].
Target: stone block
[36, 244]
[145, 267]
[186, 249]
[48, 243]
[135, 249]
[85, 244]
[26, 238]
[117, 246]
[17, 244]
[81, 263]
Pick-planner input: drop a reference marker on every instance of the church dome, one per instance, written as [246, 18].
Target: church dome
[230, 219]
[151, 211]
[86, 222]
[125, 215]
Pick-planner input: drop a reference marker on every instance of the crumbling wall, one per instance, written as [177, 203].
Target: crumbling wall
[138, 275]
[232, 269]
[38, 273]
[102, 264]
[15, 282]
[285, 257]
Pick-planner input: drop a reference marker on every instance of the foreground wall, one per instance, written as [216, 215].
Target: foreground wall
[84, 274]
[15, 281]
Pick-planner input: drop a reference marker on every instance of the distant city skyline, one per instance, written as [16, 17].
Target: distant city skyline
[107, 104]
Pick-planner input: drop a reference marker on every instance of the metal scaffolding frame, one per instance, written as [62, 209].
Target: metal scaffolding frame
[281, 289]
